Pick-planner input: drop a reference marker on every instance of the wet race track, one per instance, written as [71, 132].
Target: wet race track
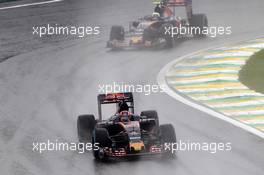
[45, 83]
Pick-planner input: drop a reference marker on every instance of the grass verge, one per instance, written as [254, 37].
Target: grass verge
[252, 73]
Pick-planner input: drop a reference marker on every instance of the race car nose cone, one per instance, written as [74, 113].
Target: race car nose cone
[137, 146]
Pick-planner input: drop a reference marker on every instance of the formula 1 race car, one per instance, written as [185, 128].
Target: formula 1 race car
[152, 30]
[125, 134]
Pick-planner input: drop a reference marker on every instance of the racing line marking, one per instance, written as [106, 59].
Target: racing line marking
[30, 4]
[162, 81]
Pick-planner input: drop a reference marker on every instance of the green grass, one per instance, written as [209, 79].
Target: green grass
[252, 73]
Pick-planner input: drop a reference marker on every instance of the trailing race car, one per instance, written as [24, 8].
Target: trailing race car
[125, 133]
[152, 30]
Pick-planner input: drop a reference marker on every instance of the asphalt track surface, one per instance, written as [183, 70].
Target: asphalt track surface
[47, 82]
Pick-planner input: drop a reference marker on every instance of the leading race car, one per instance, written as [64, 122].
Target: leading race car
[152, 30]
[125, 134]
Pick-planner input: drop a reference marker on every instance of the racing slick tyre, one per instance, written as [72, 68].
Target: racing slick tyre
[167, 35]
[100, 140]
[168, 135]
[199, 21]
[149, 35]
[152, 114]
[117, 33]
[85, 127]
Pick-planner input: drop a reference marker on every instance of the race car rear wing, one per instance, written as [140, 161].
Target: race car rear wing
[173, 3]
[177, 3]
[115, 98]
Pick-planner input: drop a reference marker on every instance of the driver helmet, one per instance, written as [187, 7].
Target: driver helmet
[162, 4]
[122, 106]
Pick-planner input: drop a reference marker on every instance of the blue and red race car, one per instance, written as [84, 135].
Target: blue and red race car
[152, 30]
[125, 134]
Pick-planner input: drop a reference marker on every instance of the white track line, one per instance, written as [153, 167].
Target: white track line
[30, 4]
[161, 81]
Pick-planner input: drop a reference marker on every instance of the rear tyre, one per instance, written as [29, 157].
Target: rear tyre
[199, 21]
[117, 33]
[85, 126]
[100, 140]
[152, 114]
[168, 135]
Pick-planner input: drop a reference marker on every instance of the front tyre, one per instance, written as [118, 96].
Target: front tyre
[85, 126]
[100, 140]
[168, 136]
[169, 39]
[117, 33]
[149, 35]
